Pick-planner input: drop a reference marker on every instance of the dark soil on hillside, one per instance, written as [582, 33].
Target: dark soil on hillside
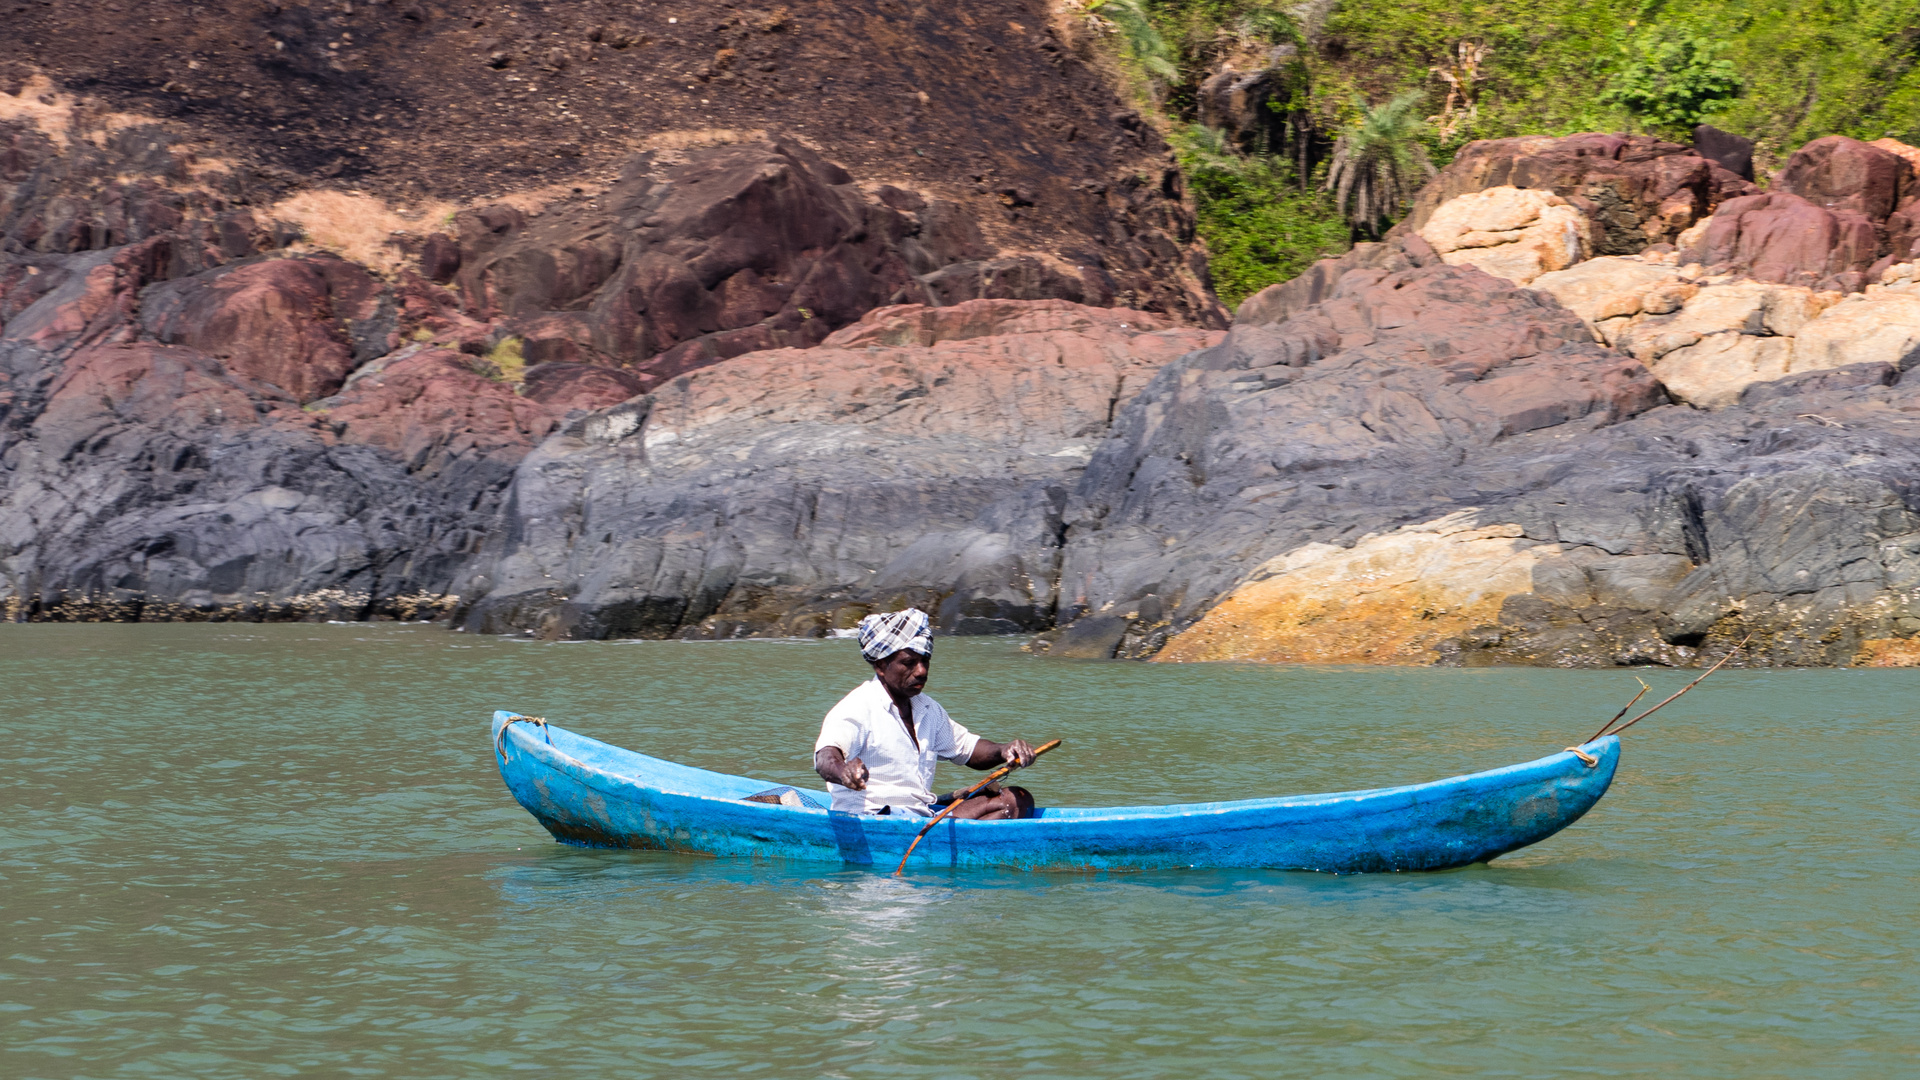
[411, 98]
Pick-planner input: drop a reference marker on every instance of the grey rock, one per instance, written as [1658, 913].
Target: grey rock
[1092, 638]
[783, 491]
[1792, 516]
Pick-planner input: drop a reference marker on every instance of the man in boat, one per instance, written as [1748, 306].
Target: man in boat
[877, 747]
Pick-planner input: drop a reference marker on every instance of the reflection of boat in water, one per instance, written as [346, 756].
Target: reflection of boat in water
[589, 792]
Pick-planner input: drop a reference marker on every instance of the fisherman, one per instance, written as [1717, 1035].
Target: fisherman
[877, 747]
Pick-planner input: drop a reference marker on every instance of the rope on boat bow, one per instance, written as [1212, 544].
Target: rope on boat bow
[540, 722]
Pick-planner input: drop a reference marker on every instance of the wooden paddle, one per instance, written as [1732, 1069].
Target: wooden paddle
[996, 774]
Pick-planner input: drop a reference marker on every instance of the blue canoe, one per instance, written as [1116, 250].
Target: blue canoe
[591, 793]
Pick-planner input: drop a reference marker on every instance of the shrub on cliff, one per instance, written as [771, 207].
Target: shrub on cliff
[1260, 225]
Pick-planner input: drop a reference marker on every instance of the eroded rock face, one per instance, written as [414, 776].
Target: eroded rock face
[1339, 505]
[149, 479]
[1391, 598]
[338, 428]
[1391, 458]
[921, 455]
[747, 248]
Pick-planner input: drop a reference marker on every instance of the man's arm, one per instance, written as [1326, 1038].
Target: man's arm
[988, 754]
[834, 768]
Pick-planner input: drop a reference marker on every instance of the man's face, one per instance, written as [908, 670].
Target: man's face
[905, 672]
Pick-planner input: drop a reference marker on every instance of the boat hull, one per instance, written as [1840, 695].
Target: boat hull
[588, 792]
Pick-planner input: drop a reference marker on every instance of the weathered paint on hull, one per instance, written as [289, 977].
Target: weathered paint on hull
[588, 792]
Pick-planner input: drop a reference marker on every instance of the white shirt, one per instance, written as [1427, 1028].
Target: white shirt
[866, 725]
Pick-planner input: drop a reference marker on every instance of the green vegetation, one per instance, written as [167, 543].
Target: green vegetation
[1259, 226]
[1379, 163]
[1141, 39]
[1782, 72]
[505, 362]
[1806, 68]
[1672, 82]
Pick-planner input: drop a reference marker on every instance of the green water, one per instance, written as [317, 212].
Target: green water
[247, 851]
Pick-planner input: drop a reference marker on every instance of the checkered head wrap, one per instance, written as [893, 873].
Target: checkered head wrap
[883, 635]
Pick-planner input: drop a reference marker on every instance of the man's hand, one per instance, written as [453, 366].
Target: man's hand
[988, 754]
[834, 768]
[853, 774]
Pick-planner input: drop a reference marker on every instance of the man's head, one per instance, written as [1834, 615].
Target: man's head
[904, 673]
[899, 645]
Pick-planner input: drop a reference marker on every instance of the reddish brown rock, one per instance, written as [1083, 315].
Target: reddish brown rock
[566, 386]
[1785, 238]
[432, 408]
[1839, 173]
[1731, 152]
[1014, 374]
[746, 248]
[1636, 190]
[86, 297]
[918, 324]
[285, 321]
[440, 258]
[110, 392]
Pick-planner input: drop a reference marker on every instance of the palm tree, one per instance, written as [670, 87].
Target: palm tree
[1144, 41]
[1378, 163]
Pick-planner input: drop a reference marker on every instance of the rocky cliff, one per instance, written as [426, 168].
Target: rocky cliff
[1534, 427]
[1697, 423]
[287, 292]
[1597, 400]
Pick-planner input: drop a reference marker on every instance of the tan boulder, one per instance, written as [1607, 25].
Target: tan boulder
[1724, 336]
[1711, 373]
[1753, 307]
[1611, 287]
[1514, 233]
[1882, 325]
[1389, 599]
